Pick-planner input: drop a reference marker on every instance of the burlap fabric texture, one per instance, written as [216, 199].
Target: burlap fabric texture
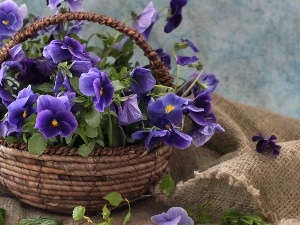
[227, 169]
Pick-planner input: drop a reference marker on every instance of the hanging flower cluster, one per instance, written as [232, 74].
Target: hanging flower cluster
[62, 91]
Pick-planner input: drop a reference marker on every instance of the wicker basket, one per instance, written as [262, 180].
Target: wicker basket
[60, 179]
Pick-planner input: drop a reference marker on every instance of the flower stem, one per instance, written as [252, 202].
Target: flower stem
[177, 73]
[73, 140]
[100, 133]
[110, 133]
[192, 84]
[86, 141]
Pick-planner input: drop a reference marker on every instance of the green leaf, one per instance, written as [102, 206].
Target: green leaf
[84, 150]
[93, 118]
[37, 144]
[46, 87]
[91, 132]
[78, 212]
[75, 84]
[105, 212]
[118, 85]
[69, 139]
[160, 89]
[127, 47]
[168, 185]
[2, 216]
[204, 217]
[114, 198]
[29, 127]
[12, 139]
[127, 217]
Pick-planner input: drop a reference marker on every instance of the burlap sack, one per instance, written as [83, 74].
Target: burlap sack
[227, 169]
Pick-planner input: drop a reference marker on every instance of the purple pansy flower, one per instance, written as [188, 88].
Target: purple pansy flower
[206, 82]
[5, 96]
[22, 108]
[62, 82]
[11, 17]
[186, 60]
[165, 132]
[169, 106]
[174, 216]
[190, 44]
[165, 57]
[145, 21]
[54, 116]
[79, 67]
[174, 18]
[129, 112]
[201, 134]
[151, 138]
[266, 144]
[96, 84]
[142, 80]
[75, 5]
[6, 129]
[199, 107]
[62, 50]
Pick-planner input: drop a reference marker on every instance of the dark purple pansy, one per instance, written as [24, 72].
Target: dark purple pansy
[22, 108]
[96, 84]
[264, 144]
[79, 67]
[75, 5]
[169, 106]
[151, 138]
[145, 21]
[174, 216]
[174, 18]
[190, 44]
[54, 116]
[129, 112]
[206, 82]
[165, 57]
[11, 17]
[62, 84]
[5, 96]
[173, 137]
[186, 60]
[165, 132]
[36, 71]
[63, 50]
[199, 107]
[142, 80]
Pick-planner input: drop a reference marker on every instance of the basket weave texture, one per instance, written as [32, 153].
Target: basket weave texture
[60, 179]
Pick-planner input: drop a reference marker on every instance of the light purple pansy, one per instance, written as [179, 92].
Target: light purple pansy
[11, 17]
[174, 216]
[129, 112]
[75, 5]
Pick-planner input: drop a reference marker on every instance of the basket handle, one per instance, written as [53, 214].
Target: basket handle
[162, 74]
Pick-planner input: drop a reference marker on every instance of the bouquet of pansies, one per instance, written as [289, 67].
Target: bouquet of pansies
[58, 89]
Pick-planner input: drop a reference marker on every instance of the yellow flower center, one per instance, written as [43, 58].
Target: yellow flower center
[5, 22]
[101, 92]
[24, 115]
[54, 123]
[169, 108]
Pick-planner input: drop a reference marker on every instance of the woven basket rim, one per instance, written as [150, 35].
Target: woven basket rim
[134, 149]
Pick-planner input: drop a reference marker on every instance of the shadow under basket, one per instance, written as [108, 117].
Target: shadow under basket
[58, 182]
